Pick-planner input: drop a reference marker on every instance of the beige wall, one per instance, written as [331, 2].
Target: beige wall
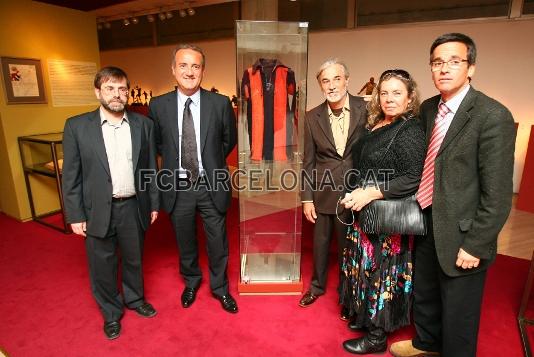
[504, 68]
[150, 67]
[37, 30]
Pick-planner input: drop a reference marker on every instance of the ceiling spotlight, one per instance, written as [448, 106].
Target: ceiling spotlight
[190, 11]
[99, 26]
[125, 22]
[107, 25]
[135, 20]
[162, 16]
[182, 13]
[150, 18]
[168, 15]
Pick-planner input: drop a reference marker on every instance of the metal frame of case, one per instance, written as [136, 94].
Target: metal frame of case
[28, 155]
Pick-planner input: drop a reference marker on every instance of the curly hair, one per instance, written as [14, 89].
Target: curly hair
[375, 113]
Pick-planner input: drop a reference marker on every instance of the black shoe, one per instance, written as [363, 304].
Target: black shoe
[227, 302]
[307, 299]
[345, 314]
[365, 345]
[112, 329]
[188, 297]
[146, 310]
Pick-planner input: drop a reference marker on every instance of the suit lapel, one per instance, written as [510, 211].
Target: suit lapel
[355, 116]
[172, 114]
[205, 115]
[135, 132]
[324, 124]
[460, 119]
[96, 137]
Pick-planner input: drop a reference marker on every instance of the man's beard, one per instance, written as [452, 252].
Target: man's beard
[116, 106]
[336, 97]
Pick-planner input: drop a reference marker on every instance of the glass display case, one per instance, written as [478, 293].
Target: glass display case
[42, 158]
[271, 78]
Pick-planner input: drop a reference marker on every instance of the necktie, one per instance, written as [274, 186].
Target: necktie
[189, 143]
[426, 188]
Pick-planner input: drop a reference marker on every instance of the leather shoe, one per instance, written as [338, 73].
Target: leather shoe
[112, 329]
[345, 314]
[406, 349]
[146, 310]
[308, 299]
[188, 297]
[363, 346]
[227, 302]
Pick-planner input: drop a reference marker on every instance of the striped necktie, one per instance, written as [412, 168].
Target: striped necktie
[426, 188]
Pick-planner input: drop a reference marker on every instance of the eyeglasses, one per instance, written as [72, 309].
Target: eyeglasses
[451, 64]
[113, 90]
[395, 72]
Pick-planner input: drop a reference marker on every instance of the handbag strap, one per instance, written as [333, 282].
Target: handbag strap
[392, 140]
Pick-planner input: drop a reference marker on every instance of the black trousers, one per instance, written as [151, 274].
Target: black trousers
[124, 233]
[325, 224]
[446, 309]
[183, 218]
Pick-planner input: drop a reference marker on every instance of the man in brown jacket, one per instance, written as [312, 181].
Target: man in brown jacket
[330, 130]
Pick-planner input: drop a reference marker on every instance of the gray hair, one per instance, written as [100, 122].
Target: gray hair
[330, 62]
[188, 46]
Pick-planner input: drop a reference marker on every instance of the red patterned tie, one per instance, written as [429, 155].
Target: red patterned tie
[424, 194]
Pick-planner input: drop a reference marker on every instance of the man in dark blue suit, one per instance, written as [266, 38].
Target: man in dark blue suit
[466, 194]
[195, 132]
[105, 199]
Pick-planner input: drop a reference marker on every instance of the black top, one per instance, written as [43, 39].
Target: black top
[397, 170]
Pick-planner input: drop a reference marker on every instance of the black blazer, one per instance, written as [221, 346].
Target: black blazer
[87, 188]
[320, 153]
[218, 136]
[473, 179]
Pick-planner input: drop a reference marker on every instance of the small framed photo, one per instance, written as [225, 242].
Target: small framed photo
[23, 80]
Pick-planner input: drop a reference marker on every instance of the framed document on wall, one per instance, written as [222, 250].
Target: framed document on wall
[23, 80]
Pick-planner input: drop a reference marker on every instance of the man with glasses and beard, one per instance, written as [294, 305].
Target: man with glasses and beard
[106, 201]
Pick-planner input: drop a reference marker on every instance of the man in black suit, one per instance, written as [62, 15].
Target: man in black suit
[330, 131]
[106, 200]
[466, 194]
[195, 131]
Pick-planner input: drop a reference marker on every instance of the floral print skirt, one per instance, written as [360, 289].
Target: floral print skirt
[377, 283]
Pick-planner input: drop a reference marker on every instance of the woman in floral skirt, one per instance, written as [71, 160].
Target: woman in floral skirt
[378, 268]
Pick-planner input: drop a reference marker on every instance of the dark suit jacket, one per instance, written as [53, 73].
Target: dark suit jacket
[320, 153]
[473, 179]
[87, 189]
[218, 136]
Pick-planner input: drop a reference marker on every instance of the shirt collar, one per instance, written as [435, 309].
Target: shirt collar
[346, 106]
[103, 118]
[195, 97]
[454, 103]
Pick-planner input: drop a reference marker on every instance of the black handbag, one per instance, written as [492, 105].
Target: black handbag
[399, 216]
[394, 216]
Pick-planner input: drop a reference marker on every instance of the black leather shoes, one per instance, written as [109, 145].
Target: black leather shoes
[345, 314]
[146, 310]
[364, 345]
[188, 297]
[227, 302]
[112, 329]
[308, 299]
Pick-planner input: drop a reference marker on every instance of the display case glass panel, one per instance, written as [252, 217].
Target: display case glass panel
[271, 78]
